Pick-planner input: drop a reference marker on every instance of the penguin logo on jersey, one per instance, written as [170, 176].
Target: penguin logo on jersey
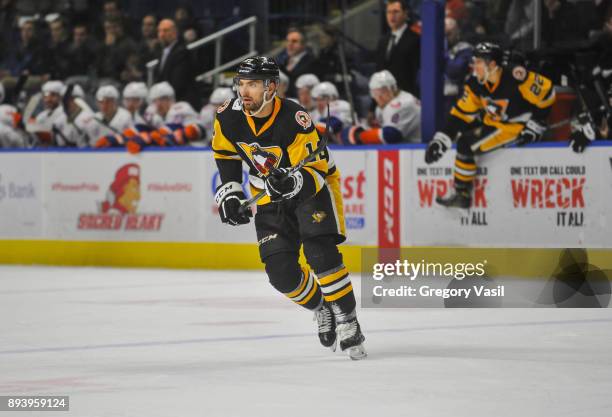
[263, 158]
[303, 119]
[318, 216]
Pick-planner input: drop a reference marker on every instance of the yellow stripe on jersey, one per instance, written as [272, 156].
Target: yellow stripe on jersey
[300, 148]
[469, 103]
[536, 89]
[465, 165]
[269, 122]
[465, 117]
[222, 147]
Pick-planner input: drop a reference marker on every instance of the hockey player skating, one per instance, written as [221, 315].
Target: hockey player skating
[305, 208]
[512, 104]
[398, 114]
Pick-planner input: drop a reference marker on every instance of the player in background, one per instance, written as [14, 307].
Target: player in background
[304, 85]
[500, 106]
[398, 114]
[43, 125]
[134, 98]
[339, 110]
[283, 85]
[111, 118]
[208, 112]
[77, 125]
[10, 135]
[303, 208]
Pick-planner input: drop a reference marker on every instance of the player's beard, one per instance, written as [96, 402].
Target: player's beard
[253, 105]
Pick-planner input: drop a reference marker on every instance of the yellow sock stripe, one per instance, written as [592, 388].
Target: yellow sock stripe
[310, 294]
[328, 279]
[305, 278]
[465, 165]
[339, 294]
[463, 177]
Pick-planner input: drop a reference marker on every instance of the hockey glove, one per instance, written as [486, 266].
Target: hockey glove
[531, 133]
[351, 135]
[229, 197]
[584, 134]
[281, 185]
[440, 143]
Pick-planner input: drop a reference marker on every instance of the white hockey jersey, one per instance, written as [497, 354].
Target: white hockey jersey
[81, 132]
[207, 115]
[6, 114]
[340, 109]
[11, 138]
[120, 121]
[179, 113]
[404, 114]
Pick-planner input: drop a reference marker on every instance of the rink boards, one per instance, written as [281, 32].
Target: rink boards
[52, 205]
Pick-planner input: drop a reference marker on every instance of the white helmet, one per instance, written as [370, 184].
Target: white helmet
[325, 89]
[307, 81]
[77, 91]
[221, 94]
[382, 79]
[135, 90]
[107, 91]
[53, 87]
[284, 78]
[159, 90]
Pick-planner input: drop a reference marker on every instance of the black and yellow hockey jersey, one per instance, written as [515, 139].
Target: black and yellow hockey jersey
[517, 97]
[286, 138]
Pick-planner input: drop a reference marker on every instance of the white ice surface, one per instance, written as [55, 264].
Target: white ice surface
[133, 342]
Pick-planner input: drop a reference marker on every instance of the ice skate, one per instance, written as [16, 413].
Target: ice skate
[460, 199]
[351, 339]
[326, 323]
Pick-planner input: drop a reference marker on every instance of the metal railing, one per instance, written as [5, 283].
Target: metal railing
[217, 38]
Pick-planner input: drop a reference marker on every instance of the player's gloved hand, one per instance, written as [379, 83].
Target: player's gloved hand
[440, 143]
[584, 134]
[531, 133]
[229, 198]
[281, 185]
[350, 135]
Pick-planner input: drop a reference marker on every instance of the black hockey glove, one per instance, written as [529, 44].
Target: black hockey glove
[531, 133]
[440, 143]
[584, 134]
[281, 185]
[229, 197]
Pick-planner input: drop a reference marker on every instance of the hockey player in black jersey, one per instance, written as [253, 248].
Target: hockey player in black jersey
[500, 105]
[303, 208]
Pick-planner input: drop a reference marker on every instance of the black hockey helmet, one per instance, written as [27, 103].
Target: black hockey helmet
[258, 68]
[489, 51]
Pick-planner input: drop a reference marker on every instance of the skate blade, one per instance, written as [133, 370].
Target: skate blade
[357, 353]
[333, 347]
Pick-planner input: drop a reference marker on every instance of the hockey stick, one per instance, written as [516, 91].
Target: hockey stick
[311, 157]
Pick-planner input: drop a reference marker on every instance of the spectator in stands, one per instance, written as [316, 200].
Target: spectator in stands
[400, 51]
[175, 62]
[186, 24]
[115, 51]
[296, 59]
[112, 10]
[458, 57]
[398, 115]
[559, 23]
[83, 52]
[30, 55]
[149, 44]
